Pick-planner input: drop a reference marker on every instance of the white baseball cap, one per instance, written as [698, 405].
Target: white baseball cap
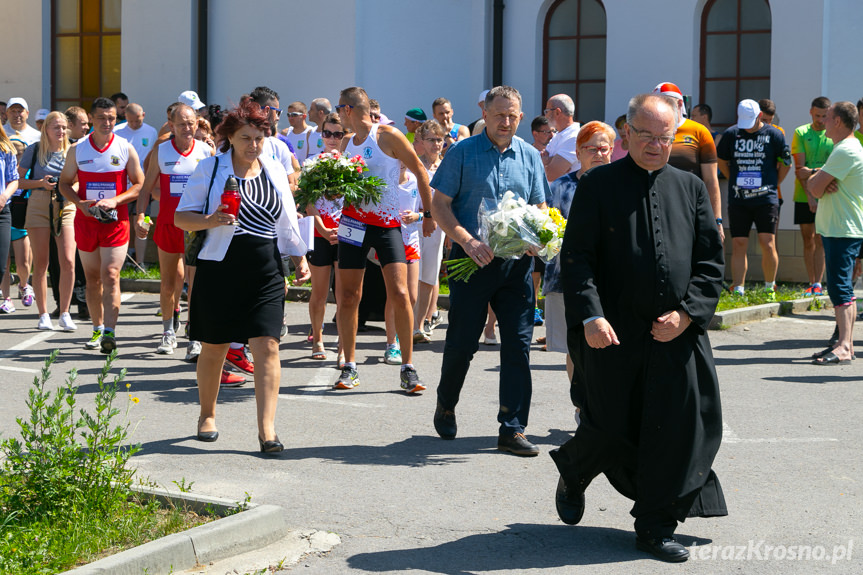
[190, 98]
[42, 113]
[17, 101]
[747, 114]
[482, 96]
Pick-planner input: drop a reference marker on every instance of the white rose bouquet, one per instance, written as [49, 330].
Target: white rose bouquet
[511, 227]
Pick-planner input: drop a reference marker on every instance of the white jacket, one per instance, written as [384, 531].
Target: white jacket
[219, 238]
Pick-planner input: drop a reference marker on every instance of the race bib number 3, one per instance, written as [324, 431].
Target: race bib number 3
[749, 180]
[351, 231]
[178, 184]
[101, 190]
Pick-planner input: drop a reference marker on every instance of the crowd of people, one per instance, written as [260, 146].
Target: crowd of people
[627, 301]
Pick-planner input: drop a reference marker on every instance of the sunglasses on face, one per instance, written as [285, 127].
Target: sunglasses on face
[328, 134]
[294, 114]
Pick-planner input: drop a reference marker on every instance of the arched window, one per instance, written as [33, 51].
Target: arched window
[86, 51]
[574, 53]
[735, 55]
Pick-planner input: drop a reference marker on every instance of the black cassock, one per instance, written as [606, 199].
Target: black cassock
[638, 245]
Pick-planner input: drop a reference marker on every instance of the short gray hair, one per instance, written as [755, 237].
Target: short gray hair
[563, 103]
[507, 92]
[847, 113]
[640, 101]
[321, 104]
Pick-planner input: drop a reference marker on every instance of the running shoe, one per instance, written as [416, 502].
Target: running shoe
[66, 323]
[817, 290]
[176, 324]
[95, 341]
[168, 344]
[230, 379]
[27, 297]
[421, 336]
[436, 320]
[7, 306]
[45, 322]
[109, 342]
[393, 356]
[193, 351]
[537, 316]
[410, 381]
[240, 359]
[349, 379]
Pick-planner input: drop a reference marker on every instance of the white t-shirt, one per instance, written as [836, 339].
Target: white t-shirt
[298, 141]
[315, 144]
[563, 145]
[279, 151]
[29, 135]
[143, 139]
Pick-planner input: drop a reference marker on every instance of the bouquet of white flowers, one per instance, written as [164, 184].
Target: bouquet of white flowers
[511, 227]
[333, 175]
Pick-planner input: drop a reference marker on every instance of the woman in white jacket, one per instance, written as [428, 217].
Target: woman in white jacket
[244, 254]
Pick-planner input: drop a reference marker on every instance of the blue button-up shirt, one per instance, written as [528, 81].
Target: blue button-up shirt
[8, 170]
[475, 169]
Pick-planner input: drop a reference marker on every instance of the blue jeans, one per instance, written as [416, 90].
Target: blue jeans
[507, 286]
[839, 256]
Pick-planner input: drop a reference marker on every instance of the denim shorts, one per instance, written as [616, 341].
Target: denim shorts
[839, 256]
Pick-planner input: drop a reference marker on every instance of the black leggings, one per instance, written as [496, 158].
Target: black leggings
[5, 239]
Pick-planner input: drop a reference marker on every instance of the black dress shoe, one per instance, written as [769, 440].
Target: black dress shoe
[664, 548]
[569, 503]
[208, 436]
[517, 444]
[444, 422]
[274, 446]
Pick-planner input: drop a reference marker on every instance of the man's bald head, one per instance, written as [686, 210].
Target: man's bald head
[135, 116]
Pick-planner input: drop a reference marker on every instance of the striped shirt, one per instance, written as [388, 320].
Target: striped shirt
[260, 207]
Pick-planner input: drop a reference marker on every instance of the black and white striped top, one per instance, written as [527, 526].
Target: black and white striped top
[260, 207]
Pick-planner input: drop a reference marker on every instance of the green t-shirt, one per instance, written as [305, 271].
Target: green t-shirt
[816, 146]
[840, 214]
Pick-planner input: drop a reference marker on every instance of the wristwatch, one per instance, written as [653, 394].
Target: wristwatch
[719, 221]
[427, 214]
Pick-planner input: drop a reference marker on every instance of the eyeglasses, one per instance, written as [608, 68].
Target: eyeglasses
[647, 137]
[278, 111]
[375, 115]
[434, 140]
[328, 134]
[340, 106]
[294, 114]
[547, 110]
[593, 150]
[547, 132]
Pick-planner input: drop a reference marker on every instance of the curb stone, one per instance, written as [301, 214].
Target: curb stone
[731, 317]
[252, 529]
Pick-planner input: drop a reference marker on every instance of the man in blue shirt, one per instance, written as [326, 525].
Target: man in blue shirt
[487, 166]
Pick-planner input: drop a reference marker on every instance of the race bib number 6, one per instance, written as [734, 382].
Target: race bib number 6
[101, 190]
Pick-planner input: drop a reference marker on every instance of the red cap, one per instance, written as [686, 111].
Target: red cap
[669, 89]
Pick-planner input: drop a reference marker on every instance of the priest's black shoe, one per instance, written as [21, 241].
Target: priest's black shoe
[665, 548]
[517, 444]
[569, 503]
[444, 422]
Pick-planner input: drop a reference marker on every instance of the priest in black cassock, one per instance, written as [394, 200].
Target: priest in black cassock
[642, 268]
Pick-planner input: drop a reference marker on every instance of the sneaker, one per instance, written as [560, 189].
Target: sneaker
[240, 359]
[410, 381]
[193, 351]
[517, 444]
[186, 330]
[27, 297]
[810, 291]
[168, 345]
[230, 379]
[436, 319]
[537, 316]
[66, 323]
[349, 379]
[736, 290]
[95, 341]
[45, 322]
[284, 330]
[7, 306]
[817, 290]
[486, 340]
[109, 342]
[393, 356]
[421, 337]
[427, 327]
[176, 324]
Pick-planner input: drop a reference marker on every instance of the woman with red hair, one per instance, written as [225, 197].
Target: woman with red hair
[243, 251]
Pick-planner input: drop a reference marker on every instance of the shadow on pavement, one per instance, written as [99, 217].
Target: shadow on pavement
[519, 547]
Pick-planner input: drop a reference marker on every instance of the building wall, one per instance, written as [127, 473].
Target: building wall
[21, 74]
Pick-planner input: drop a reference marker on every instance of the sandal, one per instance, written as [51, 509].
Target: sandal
[830, 359]
[541, 341]
[319, 353]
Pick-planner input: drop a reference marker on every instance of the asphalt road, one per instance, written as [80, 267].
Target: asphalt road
[367, 464]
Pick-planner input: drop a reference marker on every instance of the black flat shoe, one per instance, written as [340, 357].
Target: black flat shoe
[664, 548]
[208, 436]
[270, 446]
[569, 503]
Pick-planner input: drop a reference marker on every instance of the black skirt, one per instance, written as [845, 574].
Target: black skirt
[240, 297]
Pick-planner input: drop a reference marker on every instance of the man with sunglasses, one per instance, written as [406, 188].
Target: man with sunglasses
[298, 134]
[641, 269]
[318, 110]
